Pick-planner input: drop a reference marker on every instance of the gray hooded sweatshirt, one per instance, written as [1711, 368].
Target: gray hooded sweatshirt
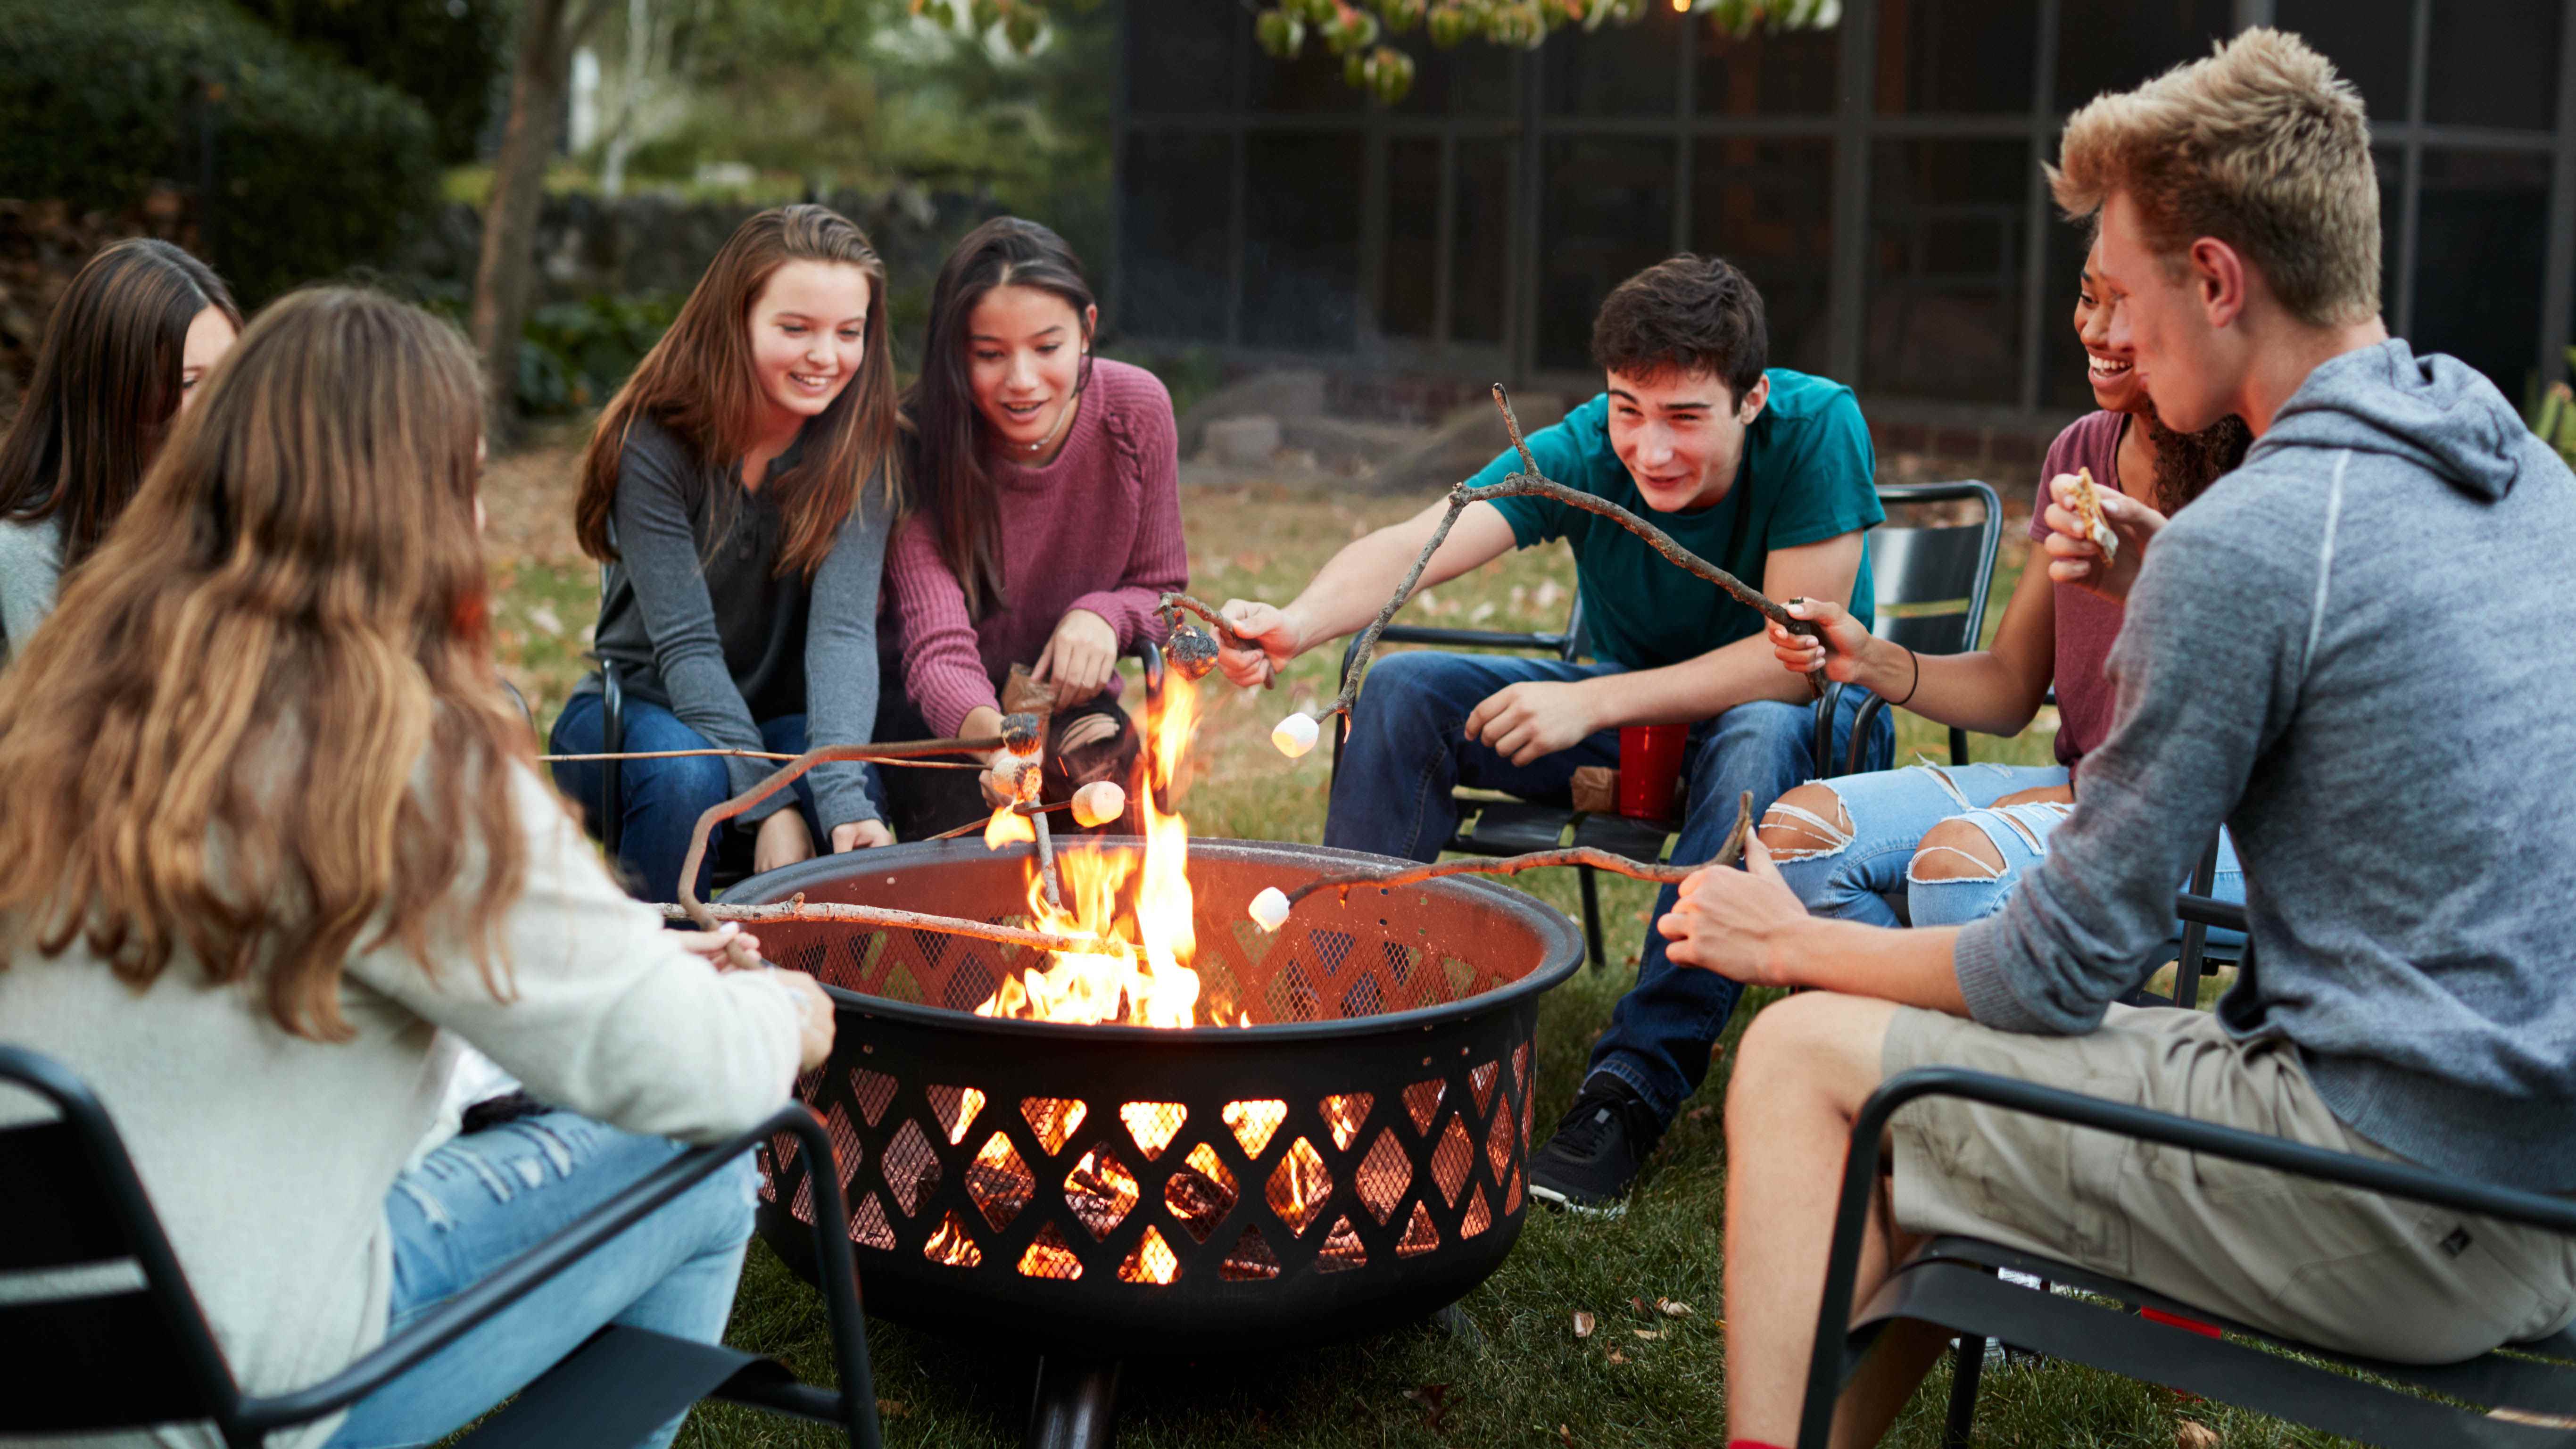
[2358, 651]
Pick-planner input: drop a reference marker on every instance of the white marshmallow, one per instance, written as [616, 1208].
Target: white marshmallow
[1294, 735]
[1270, 908]
[1098, 803]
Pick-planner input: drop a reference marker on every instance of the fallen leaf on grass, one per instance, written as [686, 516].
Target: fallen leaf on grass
[1565, 1436]
[1637, 1303]
[1671, 1309]
[1647, 1333]
[2193, 1434]
[1702, 1114]
[1617, 1357]
[892, 1408]
[1434, 1397]
[1583, 1325]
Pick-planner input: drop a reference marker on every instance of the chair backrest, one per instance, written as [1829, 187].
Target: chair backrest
[105, 1335]
[1931, 582]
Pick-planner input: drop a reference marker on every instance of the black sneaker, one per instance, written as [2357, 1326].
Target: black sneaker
[1600, 1143]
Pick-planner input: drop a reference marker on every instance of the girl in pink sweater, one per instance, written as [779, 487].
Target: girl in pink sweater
[1045, 521]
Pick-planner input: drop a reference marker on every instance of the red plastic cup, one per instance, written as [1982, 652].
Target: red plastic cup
[1650, 769]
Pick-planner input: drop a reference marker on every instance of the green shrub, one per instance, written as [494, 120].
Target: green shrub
[317, 169]
[575, 354]
[442, 53]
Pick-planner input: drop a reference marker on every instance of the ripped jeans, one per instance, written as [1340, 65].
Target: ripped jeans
[1881, 853]
[486, 1197]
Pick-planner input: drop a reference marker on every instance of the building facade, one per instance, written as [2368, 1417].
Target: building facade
[1880, 181]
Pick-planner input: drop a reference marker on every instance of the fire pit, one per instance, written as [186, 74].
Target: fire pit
[1340, 1146]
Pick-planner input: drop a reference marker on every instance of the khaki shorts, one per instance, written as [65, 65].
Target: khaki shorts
[2327, 1265]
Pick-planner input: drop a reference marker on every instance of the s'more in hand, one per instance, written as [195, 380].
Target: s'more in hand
[2086, 501]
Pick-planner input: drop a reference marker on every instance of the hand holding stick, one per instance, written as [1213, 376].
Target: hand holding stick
[1530, 483]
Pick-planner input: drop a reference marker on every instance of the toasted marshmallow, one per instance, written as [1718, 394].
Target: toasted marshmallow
[1294, 735]
[1270, 908]
[1098, 803]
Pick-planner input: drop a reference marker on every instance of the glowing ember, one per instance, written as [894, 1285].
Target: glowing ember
[1147, 980]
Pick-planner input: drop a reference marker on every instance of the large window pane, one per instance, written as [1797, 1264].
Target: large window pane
[1174, 235]
[1766, 73]
[1301, 256]
[1182, 55]
[1609, 214]
[2111, 45]
[1618, 70]
[1480, 283]
[1767, 207]
[2483, 223]
[1468, 79]
[1956, 55]
[2366, 39]
[1406, 294]
[2493, 63]
[1945, 225]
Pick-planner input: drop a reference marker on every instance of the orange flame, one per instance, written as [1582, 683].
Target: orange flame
[1146, 980]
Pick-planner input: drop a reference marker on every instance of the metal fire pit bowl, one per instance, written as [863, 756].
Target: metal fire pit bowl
[1355, 1159]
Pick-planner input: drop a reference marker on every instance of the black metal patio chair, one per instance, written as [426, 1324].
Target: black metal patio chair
[125, 1346]
[1930, 591]
[1952, 1284]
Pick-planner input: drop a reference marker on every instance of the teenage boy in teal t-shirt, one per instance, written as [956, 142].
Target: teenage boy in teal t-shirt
[1766, 473]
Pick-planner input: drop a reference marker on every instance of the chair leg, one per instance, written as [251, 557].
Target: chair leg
[1592, 918]
[1970, 1363]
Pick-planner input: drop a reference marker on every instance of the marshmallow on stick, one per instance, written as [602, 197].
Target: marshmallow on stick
[2086, 499]
[1098, 803]
[1295, 735]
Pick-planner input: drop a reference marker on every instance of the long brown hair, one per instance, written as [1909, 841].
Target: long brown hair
[699, 383]
[956, 489]
[262, 723]
[105, 388]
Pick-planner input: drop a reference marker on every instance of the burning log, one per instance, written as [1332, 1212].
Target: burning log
[1270, 914]
[1530, 483]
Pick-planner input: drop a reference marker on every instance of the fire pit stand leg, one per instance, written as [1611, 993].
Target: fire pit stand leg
[1075, 1405]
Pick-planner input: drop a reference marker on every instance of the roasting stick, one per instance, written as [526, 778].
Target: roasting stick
[1727, 854]
[788, 774]
[799, 910]
[735, 755]
[1530, 483]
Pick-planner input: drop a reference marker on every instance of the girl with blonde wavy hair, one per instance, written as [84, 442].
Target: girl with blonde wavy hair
[279, 849]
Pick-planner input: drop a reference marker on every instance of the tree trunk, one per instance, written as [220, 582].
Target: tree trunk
[506, 272]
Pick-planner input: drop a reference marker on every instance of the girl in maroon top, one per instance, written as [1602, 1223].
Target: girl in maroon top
[1046, 519]
[1952, 841]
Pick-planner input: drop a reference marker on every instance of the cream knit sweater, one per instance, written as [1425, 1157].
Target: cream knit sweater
[268, 1156]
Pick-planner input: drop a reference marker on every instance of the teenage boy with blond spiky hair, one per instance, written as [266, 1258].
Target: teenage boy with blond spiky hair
[2353, 652]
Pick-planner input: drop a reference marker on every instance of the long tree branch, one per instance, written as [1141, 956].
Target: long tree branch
[799, 910]
[1731, 850]
[1529, 482]
[736, 755]
[789, 774]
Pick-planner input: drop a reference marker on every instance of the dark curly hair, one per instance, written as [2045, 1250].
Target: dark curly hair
[1689, 312]
[2187, 463]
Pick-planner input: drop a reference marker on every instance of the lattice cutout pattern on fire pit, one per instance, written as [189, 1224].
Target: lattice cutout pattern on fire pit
[1151, 1192]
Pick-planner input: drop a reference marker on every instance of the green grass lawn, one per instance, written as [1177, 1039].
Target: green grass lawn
[1521, 1377]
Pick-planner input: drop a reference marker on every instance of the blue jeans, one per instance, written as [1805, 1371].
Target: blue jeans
[484, 1198]
[1889, 812]
[664, 798]
[1408, 750]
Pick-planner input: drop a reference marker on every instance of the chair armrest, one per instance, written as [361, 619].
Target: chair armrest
[1470, 638]
[1860, 1179]
[532, 1269]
